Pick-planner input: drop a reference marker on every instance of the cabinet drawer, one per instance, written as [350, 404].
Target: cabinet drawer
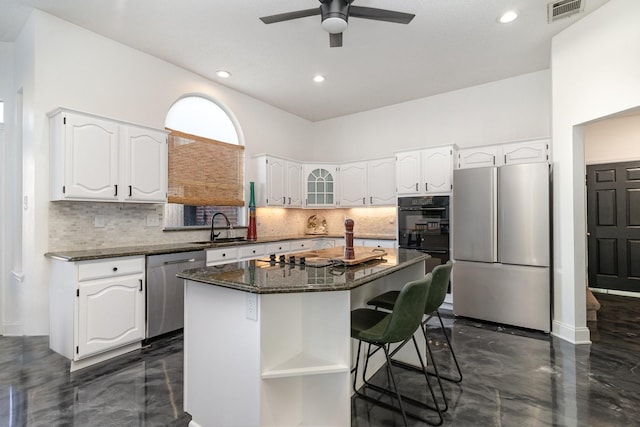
[226, 254]
[301, 245]
[251, 251]
[278, 248]
[113, 267]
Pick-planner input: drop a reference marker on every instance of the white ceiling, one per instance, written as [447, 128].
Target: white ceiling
[449, 45]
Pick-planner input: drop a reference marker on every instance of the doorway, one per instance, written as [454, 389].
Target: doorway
[613, 226]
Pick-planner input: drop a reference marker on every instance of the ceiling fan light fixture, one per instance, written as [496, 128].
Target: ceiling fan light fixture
[508, 16]
[334, 25]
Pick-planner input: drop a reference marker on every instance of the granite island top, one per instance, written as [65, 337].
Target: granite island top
[264, 277]
[167, 248]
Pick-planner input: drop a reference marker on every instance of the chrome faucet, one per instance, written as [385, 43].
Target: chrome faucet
[213, 218]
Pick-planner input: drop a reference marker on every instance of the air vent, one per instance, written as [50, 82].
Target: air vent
[563, 9]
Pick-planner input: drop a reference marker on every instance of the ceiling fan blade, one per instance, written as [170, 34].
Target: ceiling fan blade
[380, 14]
[335, 40]
[290, 15]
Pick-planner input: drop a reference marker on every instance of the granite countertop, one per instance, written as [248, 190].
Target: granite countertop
[264, 277]
[167, 248]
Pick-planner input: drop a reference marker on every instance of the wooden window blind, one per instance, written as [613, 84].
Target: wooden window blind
[204, 172]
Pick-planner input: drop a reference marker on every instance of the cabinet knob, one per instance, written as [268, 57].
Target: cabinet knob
[115, 268]
[224, 255]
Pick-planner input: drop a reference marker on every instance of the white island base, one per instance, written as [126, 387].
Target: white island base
[274, 359]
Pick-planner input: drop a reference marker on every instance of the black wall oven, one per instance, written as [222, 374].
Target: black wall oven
[423, 224]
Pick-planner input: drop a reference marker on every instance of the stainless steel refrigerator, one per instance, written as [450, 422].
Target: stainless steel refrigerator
[501, 245]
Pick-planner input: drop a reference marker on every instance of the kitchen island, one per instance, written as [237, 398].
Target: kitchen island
[268, 343]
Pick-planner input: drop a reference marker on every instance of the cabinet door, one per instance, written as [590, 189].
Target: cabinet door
[110, 314]
[525, 152]
[276, 173]
[320, 185]
[91, 158]
[382, 182]
[437, 169]
[408, 176]
[353, 184]
[145, 165]
[294, 184]
[478, 157]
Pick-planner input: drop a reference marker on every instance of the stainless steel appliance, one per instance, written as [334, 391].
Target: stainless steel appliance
[423, 224]
[501, 244]
[165, 292]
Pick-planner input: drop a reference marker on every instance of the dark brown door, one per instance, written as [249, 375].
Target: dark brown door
[613, 224]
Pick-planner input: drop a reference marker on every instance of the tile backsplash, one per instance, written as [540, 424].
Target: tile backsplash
[89, 225]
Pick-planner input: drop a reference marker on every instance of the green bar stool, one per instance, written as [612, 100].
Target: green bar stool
[381, 329]
[435, 298]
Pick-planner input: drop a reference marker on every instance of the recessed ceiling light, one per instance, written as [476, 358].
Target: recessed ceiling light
[507, 17]
[318, 78]
[223, 74]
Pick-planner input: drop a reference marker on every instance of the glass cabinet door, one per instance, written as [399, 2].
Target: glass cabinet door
[320, 184]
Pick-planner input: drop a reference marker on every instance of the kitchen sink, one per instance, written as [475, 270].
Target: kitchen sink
[222, 240]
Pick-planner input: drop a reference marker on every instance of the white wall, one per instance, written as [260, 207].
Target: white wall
[6, 79]
[595, 69]
[81, 70]
[506, 110]
[612, 140]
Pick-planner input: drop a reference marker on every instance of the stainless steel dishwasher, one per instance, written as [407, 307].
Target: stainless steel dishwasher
[165, 292]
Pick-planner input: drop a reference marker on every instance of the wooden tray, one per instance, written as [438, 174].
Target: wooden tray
[362, 254]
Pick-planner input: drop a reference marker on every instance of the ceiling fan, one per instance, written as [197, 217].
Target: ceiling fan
[335, 14]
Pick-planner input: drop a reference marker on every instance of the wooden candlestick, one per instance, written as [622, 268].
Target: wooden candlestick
[349, 253]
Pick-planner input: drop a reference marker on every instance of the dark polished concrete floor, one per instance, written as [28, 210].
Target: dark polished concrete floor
[512, 377]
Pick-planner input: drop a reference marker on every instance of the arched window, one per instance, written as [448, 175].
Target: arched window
[206, 164]
[200, 116]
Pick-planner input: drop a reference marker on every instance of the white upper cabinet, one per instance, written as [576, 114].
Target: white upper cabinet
[86, 157]
[352, 182]
[478, 157]
[279, 181]
[381, 174]
[145, 164]
[98, 159]
[504, 154]
[320, 185]
[294, 184]
[426, 171]
[525, 152]
[370, 183]
[409, 172]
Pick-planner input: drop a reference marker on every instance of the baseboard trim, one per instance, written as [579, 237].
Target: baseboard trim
[12, 329]
[615, 292]
[570, 333]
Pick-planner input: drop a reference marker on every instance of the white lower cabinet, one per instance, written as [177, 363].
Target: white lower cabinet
[97, 308]
[324, 243]
[278, 248]
[301, 245]
[375, 243]
[222, 255]
[110, 314]
[251, 252]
